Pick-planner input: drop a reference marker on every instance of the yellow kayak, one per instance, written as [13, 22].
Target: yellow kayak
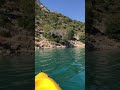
[43, 82]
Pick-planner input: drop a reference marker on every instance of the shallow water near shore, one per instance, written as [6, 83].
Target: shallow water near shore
[66, 66]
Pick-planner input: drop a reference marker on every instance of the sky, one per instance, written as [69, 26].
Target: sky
[75, 9]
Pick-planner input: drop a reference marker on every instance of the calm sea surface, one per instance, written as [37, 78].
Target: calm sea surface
[65, 66]
[103, 70]
[17, 72]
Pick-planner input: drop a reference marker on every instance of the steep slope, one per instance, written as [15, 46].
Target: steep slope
[103, 24]
[55, 29]
[16, 26]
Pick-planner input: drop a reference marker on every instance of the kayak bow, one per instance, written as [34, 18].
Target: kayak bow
[43, 82]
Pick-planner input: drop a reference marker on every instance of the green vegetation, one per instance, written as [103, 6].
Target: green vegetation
[16, 26]
[57, 27]
[82, 36]
[113, 27]
[23, 16]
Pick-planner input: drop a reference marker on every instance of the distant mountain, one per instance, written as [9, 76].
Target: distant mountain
[57, 28]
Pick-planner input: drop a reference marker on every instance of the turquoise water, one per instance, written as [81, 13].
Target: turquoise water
[65, 66]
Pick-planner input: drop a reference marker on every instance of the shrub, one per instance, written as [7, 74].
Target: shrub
[82, 37]
[113, 27]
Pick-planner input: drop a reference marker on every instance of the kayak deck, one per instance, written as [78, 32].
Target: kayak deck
[43, 82]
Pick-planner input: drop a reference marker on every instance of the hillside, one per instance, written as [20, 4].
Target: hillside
[16, 27]
[53, 29]
[102, 24]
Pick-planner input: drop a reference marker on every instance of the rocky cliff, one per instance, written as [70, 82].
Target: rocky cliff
[102, 24]
[16, 27]
[53, 29]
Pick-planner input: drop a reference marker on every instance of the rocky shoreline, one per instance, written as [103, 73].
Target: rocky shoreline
[101, 43]
[50, 44]
[54, 30]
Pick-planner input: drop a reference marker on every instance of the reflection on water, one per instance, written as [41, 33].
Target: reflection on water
[103, 70]
[16, 73]
[66, 66]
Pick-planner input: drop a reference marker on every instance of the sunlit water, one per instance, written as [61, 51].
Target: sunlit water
[65, 66]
